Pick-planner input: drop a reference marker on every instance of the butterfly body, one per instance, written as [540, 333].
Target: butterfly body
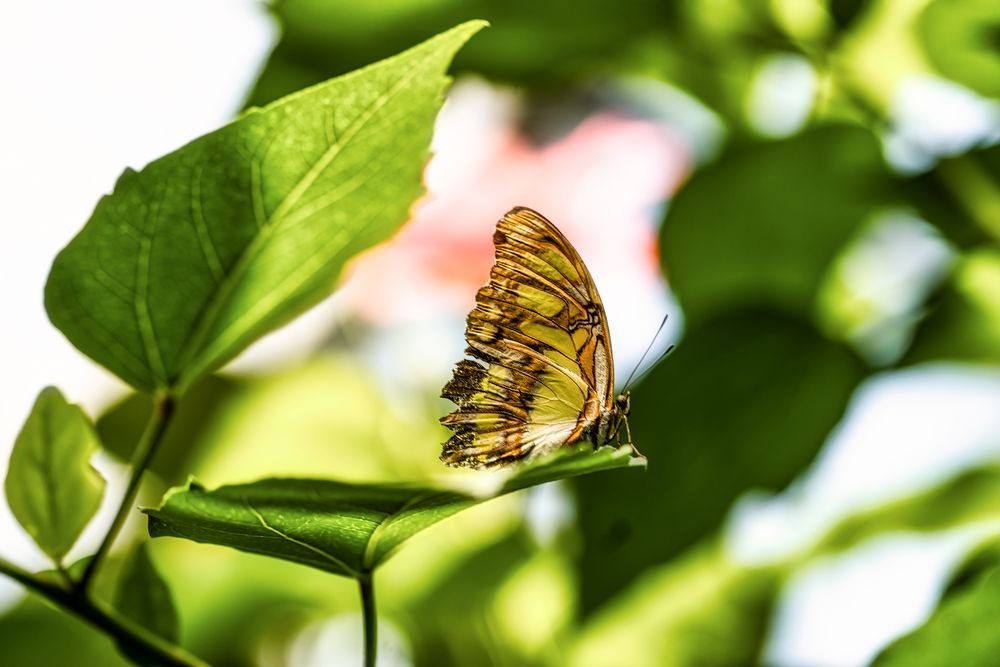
[541, 374]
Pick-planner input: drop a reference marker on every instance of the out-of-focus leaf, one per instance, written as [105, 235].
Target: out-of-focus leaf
[761, 226]
[34, 634]
[322, 39]
[697, 610]
[962, 38]
[341, 528]
[962, 631]
[964, 321]
[184, 443]
[208, 248]
[983, 558]
[52, 489]
[744, 401]
[970, 496]
[143, 597]
[845, 12]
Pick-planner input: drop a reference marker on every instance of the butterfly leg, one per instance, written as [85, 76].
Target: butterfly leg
[628, 436]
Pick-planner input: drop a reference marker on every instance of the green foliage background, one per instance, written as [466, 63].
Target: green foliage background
[771, 356]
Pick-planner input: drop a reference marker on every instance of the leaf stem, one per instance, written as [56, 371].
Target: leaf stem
[366, 586]
[163, 410]
[127, 633]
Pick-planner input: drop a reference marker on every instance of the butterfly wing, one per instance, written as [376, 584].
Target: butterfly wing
[542, 372]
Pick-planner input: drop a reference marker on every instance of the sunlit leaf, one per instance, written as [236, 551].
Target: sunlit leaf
[206, 249]
[341, 528]
[52, 489]
[745, 401]
[761, 226]
[962, 38]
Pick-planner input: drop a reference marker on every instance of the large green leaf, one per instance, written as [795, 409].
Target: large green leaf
[761, 226]
[206, 249]
[962, 38]
[52, 489]
[341, 528]
[962, 631]
[745, 401]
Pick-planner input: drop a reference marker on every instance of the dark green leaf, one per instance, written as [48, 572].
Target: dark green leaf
[745, 401]
[212, 246]
[143, 597]
[962, 38]
[962, 631]
[184, 443]
[341, 528]
[52, 489]
[761, 226]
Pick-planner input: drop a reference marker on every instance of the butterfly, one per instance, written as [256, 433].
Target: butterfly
[541, 374]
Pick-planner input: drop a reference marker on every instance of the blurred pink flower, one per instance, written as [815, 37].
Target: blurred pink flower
[602, 184]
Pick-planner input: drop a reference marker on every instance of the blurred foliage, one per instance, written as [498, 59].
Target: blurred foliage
[961, 632]
[744, 402]
[963, 41]
[789, 208]
[699, 609]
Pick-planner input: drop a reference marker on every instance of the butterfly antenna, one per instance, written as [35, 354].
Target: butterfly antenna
[648, 348]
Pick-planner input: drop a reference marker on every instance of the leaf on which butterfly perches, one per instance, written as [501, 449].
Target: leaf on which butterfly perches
[342, 528]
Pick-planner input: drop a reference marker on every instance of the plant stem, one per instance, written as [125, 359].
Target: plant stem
[163, 409]
[104, 619]
[366, 586]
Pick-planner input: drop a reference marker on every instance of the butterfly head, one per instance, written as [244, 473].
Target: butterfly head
[623, 404]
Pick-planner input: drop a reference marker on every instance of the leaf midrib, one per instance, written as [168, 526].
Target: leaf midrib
[190, 351]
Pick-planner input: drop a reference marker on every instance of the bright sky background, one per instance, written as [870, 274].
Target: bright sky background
[93, 87]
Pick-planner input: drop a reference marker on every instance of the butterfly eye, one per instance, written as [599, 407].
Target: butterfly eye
[624, 403]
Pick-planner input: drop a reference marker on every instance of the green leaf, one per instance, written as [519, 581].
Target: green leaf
[144, 598]
[761, 226]
[962, 631]
[341, 528]
[745, 401]
[962, 38]
[208, 248]
[52, 489]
